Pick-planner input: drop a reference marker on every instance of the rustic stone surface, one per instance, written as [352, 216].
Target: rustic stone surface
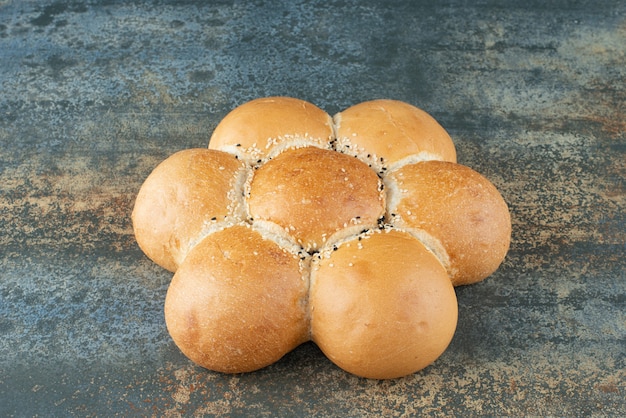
[94, 94]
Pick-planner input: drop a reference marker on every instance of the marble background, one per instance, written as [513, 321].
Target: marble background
[94, 94]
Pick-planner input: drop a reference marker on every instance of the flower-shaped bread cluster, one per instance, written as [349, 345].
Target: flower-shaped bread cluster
[293, 226]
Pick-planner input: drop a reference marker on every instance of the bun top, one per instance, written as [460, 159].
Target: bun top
[263, 127]
[186, 195]
[382, 305]
[314, 193]
[457, 207]
[239, 312]
[387, 133]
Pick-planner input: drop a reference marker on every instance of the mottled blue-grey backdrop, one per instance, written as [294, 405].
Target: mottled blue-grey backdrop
[94, 94]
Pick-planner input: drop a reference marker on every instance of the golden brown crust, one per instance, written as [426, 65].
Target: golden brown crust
[238, 302]
[383, 306]
[260, 128]
[385, 132]
[235, 222]
[313, 193]
[460, 208]
[187, 193]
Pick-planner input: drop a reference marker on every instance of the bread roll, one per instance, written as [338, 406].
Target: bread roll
[458, 207]
[382, 306]
[277, 235]
[263, 127]
[387, 133]
[238, 302]
[190, 192]
[313, 193]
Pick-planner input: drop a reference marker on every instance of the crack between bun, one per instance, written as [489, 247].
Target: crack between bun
[420, 157]
[394, 196]
[275, 233]
[237, 209]
[431, 243]
[295, 142]
[258, 154]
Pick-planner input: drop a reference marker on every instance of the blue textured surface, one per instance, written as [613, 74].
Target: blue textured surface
[94, 94]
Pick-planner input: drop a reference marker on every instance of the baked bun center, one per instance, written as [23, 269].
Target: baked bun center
[314, 194]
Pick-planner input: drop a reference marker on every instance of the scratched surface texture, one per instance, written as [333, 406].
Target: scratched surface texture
[94, 94]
